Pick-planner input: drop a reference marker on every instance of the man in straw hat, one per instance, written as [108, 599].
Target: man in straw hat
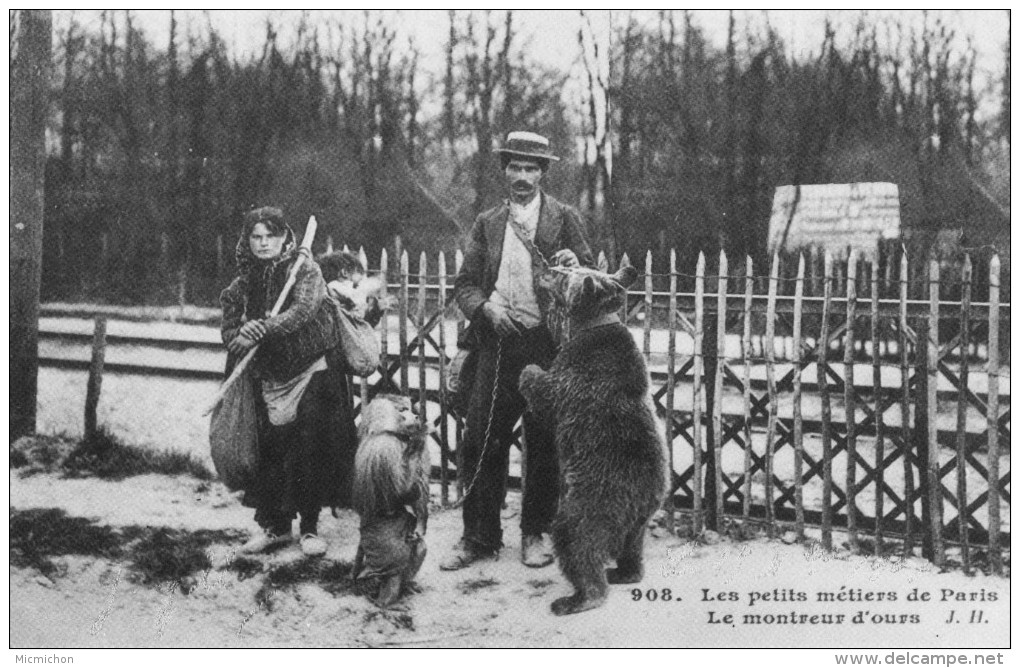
[513, 324]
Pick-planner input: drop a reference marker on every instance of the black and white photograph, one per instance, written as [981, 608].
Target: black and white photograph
[439, 329]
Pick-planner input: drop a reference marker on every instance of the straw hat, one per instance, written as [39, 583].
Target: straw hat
[527, 145]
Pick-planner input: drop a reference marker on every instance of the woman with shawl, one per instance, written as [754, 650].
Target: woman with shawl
[307, 438]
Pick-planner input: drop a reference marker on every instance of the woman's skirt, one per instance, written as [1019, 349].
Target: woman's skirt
[307, 464]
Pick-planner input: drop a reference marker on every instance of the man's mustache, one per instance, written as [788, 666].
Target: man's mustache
[522, 184]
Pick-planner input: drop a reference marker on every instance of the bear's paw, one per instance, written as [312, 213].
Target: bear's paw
[569, 605]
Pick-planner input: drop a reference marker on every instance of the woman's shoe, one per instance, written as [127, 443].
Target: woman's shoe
[264, 541]
[312, 545]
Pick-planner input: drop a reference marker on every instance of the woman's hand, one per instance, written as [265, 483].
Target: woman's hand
[253, 329]
[240, 344]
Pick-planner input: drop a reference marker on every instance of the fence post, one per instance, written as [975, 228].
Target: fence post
[935, 480]
[920, 436]
[670, 371]
[699, 370]
[849, 402]
[384, 338]
[649, 300]
[770, 376]
[798, 418]
[720, 362]
[458, 260]
[905, 429]
[747, 352]
[420, 334]
[823, 390]
[876, 380]
[402, 334]
[962, 516]
[994, 549]
[95, 382]
[444, 446]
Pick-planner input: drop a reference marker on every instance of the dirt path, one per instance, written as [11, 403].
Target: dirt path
[96, 601]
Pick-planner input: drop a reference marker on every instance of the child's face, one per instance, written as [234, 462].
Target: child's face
[357, 277]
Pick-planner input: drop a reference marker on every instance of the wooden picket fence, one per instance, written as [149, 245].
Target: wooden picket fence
[847, 412]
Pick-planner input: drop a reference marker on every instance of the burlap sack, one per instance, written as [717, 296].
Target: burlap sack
[233, 434]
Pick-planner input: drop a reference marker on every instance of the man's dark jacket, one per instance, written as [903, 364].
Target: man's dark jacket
[559, 226]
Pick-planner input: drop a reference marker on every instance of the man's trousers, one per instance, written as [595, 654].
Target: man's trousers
[486, 492]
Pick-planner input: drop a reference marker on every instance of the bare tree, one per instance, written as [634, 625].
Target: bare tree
[30, 74]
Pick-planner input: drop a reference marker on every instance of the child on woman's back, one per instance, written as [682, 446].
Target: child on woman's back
[345, 281]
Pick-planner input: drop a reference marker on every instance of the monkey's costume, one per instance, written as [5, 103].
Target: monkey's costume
[390, 554]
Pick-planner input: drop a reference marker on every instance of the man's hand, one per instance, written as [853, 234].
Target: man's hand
[565, 258]
[500, 319]
[240, 344]
[253, 329]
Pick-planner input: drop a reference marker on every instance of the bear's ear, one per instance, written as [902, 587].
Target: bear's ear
[626, 275]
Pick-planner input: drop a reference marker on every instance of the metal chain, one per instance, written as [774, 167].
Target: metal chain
[488, 426]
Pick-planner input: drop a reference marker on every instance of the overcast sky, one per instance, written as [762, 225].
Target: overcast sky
[551, 36]
[554, 33]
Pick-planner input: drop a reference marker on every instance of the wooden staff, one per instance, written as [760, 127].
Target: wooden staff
[306, 245]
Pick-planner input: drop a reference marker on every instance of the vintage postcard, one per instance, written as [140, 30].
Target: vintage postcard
[511, 329]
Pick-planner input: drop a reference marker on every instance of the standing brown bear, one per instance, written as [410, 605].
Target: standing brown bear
[613, 459]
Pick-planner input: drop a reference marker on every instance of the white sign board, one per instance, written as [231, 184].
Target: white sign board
[835, 216]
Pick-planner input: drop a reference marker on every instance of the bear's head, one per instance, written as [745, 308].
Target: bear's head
[588, 293]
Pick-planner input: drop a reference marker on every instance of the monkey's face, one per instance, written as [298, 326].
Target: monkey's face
[391, 413]
[406, 416]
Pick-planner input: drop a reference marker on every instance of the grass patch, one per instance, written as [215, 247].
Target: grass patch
[18, 459]
[171, 555]
[397, 618]
[540, 586]
[105, 456]
[245, 567]
[470, 586]
[39, 454]
[333, 576]
[155, 554]
[41, 533]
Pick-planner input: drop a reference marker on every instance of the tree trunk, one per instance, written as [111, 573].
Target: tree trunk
[30, 72]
